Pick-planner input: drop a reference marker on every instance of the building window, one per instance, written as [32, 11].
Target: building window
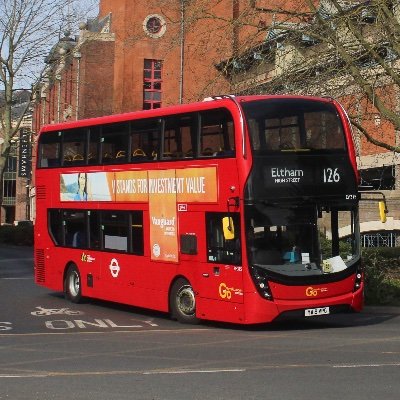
[152, 84]
[9, 178]
[154, 25]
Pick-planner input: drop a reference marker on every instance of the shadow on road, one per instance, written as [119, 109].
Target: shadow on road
[370, 316]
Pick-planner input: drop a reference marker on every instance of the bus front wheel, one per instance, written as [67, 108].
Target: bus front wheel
[183, 302]
[72, 284]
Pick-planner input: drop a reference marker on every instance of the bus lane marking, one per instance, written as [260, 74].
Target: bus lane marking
[159, 330]
[6, 326]
[63, 324]
[105, 323]
[41, 311]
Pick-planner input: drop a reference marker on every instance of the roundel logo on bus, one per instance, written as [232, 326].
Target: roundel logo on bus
[114, 268]
[313, 292]
[156, 250]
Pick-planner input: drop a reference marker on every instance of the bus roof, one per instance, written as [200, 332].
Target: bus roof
[216, 101]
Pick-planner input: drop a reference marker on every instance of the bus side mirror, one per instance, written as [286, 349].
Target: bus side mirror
[228, 228]
[382, 211]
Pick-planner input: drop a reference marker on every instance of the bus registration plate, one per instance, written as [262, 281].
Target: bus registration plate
[311, 312]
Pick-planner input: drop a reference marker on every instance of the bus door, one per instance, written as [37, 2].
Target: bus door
[121, 243]
[221, 276]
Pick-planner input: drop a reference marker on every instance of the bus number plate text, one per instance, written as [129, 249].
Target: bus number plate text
[311, 312]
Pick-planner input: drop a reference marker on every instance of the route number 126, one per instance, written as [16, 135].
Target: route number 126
[331, 175]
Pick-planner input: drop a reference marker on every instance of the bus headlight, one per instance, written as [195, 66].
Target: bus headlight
[358, 279]
[261, 282]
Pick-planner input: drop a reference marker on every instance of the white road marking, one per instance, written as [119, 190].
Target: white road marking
[104, 373]
[23, 376]
[367, 365]
[180, 371]
[30, 278]
[194, 371]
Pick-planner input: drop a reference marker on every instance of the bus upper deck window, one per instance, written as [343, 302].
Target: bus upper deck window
[217, 134]
[114, 143]
[50, 149]
[294, 125]
[323, 130]
[74, 146]
[145, 138]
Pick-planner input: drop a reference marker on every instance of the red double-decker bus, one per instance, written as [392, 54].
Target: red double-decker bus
[235, 209]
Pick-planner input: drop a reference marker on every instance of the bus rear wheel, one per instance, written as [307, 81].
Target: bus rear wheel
[183, 302]
[72, 284]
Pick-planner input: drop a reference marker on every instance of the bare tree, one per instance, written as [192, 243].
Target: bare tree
[346, 49]
[27, 31]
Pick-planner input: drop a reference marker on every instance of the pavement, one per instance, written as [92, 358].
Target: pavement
[382, 310]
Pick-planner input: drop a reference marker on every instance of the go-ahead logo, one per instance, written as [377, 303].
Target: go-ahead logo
[225, 292]
[313, 292]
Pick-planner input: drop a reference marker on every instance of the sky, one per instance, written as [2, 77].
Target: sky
[73, 13]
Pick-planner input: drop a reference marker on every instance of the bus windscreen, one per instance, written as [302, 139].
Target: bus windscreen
[302, 241]
[294, 125]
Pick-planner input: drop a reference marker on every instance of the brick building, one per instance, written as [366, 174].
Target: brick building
[147, 54]
[78, 77]
[16, 180]
[134, 56]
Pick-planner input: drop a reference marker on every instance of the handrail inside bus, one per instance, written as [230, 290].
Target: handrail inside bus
[233, 98]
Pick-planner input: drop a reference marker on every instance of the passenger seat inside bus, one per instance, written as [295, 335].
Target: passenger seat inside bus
[107, 157]
[120, 154]
[78, 239]
[207, 152]
[138, 153]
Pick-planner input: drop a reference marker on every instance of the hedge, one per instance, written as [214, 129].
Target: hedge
[382, 276]
[17, 235]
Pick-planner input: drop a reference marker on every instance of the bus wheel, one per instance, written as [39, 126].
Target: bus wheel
[183, 302]
[72, 284]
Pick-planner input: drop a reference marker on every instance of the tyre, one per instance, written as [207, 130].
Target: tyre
[183, 302]
[72, 284]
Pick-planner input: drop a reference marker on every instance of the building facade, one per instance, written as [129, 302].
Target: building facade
[135, 55]
[16, 182]
[149, 54]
